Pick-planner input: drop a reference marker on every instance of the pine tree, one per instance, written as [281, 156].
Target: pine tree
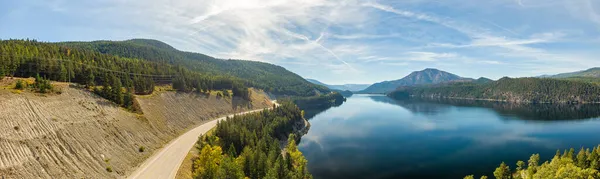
[502, 172]
[63, 74]
[2, 72]
[116, 90]
[533, 163]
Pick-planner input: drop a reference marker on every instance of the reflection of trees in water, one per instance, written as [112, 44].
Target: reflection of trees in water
[526, 111]
[415, 106]
[310, 112]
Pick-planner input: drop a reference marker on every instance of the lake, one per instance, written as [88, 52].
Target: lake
[373, 136]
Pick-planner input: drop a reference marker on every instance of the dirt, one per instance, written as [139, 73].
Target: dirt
[76, 134]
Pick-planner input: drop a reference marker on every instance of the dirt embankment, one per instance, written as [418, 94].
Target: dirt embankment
[77, 134]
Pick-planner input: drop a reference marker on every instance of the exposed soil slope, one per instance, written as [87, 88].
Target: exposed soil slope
[76, 134]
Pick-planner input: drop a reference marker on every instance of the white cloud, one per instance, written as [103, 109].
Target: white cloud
[337, 39]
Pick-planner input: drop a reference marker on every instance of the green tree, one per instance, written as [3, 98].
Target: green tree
[533, 163]
[116, 90]
[502, 172]
[520, 165]
[63, 73]
[42, 85]
[128, 100]
[230, 169]
[2, 72]
[207, 165]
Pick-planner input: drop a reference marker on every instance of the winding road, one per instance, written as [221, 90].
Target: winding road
[165, 162]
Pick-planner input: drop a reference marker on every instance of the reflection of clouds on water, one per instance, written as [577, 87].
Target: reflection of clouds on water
[366, 138]
[504, 138]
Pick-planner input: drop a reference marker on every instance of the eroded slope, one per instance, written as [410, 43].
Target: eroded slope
[77, 134]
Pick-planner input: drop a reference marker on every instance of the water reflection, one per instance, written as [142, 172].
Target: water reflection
[312, 111]
[521, 111]
[377, 137]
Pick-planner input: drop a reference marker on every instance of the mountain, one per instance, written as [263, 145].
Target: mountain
[427, 76]
[271, 78]
[344, 87]
[589, 73]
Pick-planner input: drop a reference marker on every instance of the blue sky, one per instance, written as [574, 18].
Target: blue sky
[338, 41]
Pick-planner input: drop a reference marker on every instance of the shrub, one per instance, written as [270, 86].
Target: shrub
[20, 85]
[142, 149]
[226, 93]
[109, 169]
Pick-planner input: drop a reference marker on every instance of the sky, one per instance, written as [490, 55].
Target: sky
[338, 41]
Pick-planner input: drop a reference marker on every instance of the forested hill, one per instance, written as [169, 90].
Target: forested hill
[271, 78]
[527, 90]
[29, 58]
[589, 73]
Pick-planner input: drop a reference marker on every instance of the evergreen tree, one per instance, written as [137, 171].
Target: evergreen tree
[63, 74]
[502, 172]
[2, 72]
[116, 90]
[581, 159]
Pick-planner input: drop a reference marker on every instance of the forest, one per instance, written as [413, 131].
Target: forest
[269, 77]
[526, 90]
[321, 101]
[250, 146]
[112, 77]
[584, 164]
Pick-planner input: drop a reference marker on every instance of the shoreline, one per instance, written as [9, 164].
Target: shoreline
[497, 100]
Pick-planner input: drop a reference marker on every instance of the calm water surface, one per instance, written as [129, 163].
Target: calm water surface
[377, 137]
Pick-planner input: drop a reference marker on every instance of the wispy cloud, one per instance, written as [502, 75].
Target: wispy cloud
[338, 40]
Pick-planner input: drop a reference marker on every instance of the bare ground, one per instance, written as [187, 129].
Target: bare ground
[76, 134]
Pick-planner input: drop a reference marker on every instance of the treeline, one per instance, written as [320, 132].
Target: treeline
[28, 58]
[249, 146]
[320, 101]
[269, 77]
[583, 164]
[527, 90]
[525, 111]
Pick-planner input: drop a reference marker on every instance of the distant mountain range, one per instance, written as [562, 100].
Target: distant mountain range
[589, 73]
[427, 76]
[344, 87]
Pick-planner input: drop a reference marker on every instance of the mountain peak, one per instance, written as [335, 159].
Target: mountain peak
[423, 77]
[430, 69]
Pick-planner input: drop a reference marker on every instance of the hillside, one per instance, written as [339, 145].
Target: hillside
[592, 72]
[76, 134]
[344, 87]
[427, 76]
[272, 78]
[525, 90]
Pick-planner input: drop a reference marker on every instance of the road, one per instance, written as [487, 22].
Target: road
[165, 162]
